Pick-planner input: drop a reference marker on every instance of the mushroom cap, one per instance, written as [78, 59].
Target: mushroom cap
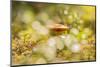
[57, 27]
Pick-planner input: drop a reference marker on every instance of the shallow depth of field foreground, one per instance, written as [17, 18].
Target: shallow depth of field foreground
[45, 33]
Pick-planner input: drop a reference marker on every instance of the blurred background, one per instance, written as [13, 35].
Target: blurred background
[52, 33]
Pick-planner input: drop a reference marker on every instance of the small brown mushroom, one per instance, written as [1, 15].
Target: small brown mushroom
[57, 27]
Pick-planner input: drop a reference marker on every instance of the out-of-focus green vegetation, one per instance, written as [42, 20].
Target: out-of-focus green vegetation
[51, 33]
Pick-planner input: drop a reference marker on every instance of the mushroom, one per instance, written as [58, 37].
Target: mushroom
[56, 28]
